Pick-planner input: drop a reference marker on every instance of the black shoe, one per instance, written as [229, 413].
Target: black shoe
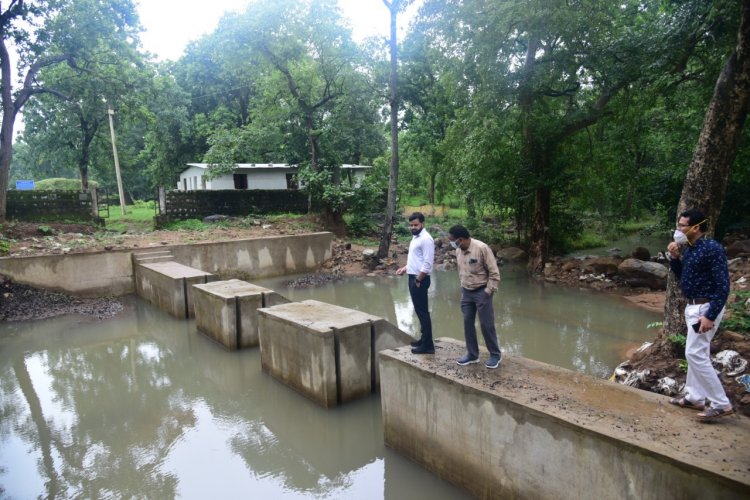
[416, 343]
[423, 350]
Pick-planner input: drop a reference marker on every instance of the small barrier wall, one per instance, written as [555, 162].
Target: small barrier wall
[531, 430]
[111, 273]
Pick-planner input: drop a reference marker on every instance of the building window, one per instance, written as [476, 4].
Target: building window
[240, 181]
[291, 181]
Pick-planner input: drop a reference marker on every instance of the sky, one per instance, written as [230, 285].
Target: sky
[170, 24]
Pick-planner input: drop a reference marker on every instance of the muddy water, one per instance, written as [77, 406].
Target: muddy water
[143, 406]
[581, 330]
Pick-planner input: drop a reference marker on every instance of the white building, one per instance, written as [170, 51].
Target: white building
[256, 176]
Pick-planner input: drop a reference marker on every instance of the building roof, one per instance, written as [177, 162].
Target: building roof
[252, 166]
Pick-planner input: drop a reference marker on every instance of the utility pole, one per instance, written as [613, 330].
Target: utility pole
[120, 191]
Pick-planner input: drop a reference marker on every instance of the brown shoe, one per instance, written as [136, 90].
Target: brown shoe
[714, 414]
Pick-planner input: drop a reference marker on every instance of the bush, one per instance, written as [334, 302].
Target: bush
[62, 184]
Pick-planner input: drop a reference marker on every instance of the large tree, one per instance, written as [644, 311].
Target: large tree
[706, 180]
[394, 7]
[45, 33]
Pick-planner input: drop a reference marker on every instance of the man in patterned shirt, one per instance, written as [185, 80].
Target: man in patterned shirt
[700, 265]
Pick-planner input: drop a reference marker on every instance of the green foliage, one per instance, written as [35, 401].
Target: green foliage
[45, 230]
[187, 225]
[62, 184]
[739, 318]
[4, 246]
[678, 340]
[655, 324]
[683, 364]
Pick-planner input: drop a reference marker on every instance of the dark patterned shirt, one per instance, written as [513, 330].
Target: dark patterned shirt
[703, 273]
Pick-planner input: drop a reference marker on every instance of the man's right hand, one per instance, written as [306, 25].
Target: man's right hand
[401, 271]
[674, 250]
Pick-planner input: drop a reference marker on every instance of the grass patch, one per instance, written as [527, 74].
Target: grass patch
[739, 318]
[138, 218]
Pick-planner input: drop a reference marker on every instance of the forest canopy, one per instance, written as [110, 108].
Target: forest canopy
[544, 114]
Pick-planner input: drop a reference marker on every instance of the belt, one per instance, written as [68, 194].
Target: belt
[695, 302]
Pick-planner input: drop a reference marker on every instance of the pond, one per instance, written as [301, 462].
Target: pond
[143, 406]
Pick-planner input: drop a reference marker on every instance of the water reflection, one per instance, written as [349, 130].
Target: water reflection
[582, 330]
[143, 406]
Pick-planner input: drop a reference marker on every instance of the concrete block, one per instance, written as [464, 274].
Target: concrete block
[168, 285]
[227, 311]
[321, 350]
[531, 430]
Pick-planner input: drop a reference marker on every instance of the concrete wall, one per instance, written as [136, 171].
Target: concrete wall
[530, 430]
[111, 273]
[257, 258]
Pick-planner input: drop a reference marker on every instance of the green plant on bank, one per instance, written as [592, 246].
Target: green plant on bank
[739, 318]
[678, 339]
[4, 246]
[187, 225]
[683, 365]
[655, 324]
[45, 230]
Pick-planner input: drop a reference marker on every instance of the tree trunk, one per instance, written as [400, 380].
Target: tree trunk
[539, 248]
[9, 119]
[706, 180]
[390, 207]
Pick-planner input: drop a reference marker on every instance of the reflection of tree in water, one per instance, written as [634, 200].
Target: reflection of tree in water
[122, 421]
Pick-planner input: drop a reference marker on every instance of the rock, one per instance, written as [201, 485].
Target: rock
[641, 253]
[213, 219]
[738, 248]
[512, 254]
[603, 265]
[640, 273]
[667, 386]
[729, 362]
[348, 246]
[569, 266]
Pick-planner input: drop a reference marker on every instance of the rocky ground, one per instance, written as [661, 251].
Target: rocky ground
[641, 280]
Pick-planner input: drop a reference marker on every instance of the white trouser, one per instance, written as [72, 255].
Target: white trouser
[702, 382]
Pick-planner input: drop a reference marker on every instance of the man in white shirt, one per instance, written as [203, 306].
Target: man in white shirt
[418, 268]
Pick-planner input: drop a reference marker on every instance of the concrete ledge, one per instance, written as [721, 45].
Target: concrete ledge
[227, 311]
[168, 285]
[531, 430]
[111, 273]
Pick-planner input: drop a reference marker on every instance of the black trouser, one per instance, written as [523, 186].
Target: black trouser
[419, 300]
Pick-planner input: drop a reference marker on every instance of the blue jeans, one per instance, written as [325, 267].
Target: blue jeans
[473, 301]
[419, 301]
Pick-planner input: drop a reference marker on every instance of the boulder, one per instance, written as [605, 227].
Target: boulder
[511, 254]
[603, 265]
[212, 219]
[640, 273]
[641, 253]
[569, 265]
[738, 248]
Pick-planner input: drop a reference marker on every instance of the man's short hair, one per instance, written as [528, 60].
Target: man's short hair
[417, 215]
[694, 217]
[458, 231]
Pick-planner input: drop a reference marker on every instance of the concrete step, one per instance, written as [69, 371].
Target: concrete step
[152, 256]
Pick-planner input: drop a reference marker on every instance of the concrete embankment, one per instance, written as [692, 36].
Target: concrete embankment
[111, 273]
[531, 430]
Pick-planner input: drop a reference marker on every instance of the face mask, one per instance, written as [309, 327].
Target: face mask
[680, 238]
[454, 244]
